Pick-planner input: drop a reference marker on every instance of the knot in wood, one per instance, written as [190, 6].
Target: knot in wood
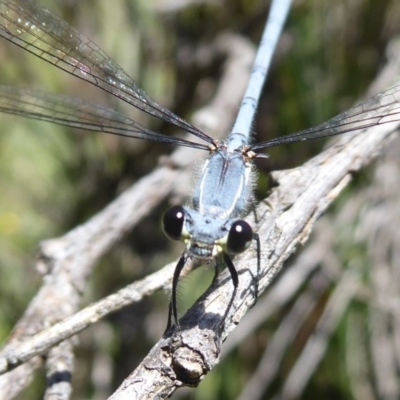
[188, 366]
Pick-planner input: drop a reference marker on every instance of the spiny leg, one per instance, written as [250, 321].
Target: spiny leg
[235, 281]
[172, 311]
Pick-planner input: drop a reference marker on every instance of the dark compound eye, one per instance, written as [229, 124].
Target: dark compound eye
[239, 237]
[172, 222]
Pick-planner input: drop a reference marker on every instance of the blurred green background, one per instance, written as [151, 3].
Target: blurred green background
[53, 178]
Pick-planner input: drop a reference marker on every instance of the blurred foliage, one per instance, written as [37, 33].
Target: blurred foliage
[52, 178]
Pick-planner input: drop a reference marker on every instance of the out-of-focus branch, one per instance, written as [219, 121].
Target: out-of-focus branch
[315, 348]
[60, 366]
[49, 337]
[271, 360]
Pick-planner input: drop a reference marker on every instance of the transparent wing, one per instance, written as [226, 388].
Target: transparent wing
[50, 38]
[78, 113]
[380, 109]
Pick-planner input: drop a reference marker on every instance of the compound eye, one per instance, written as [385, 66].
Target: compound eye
[172, 222]
[239, 237]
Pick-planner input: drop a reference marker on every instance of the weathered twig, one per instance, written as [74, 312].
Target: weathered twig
[284, 290]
